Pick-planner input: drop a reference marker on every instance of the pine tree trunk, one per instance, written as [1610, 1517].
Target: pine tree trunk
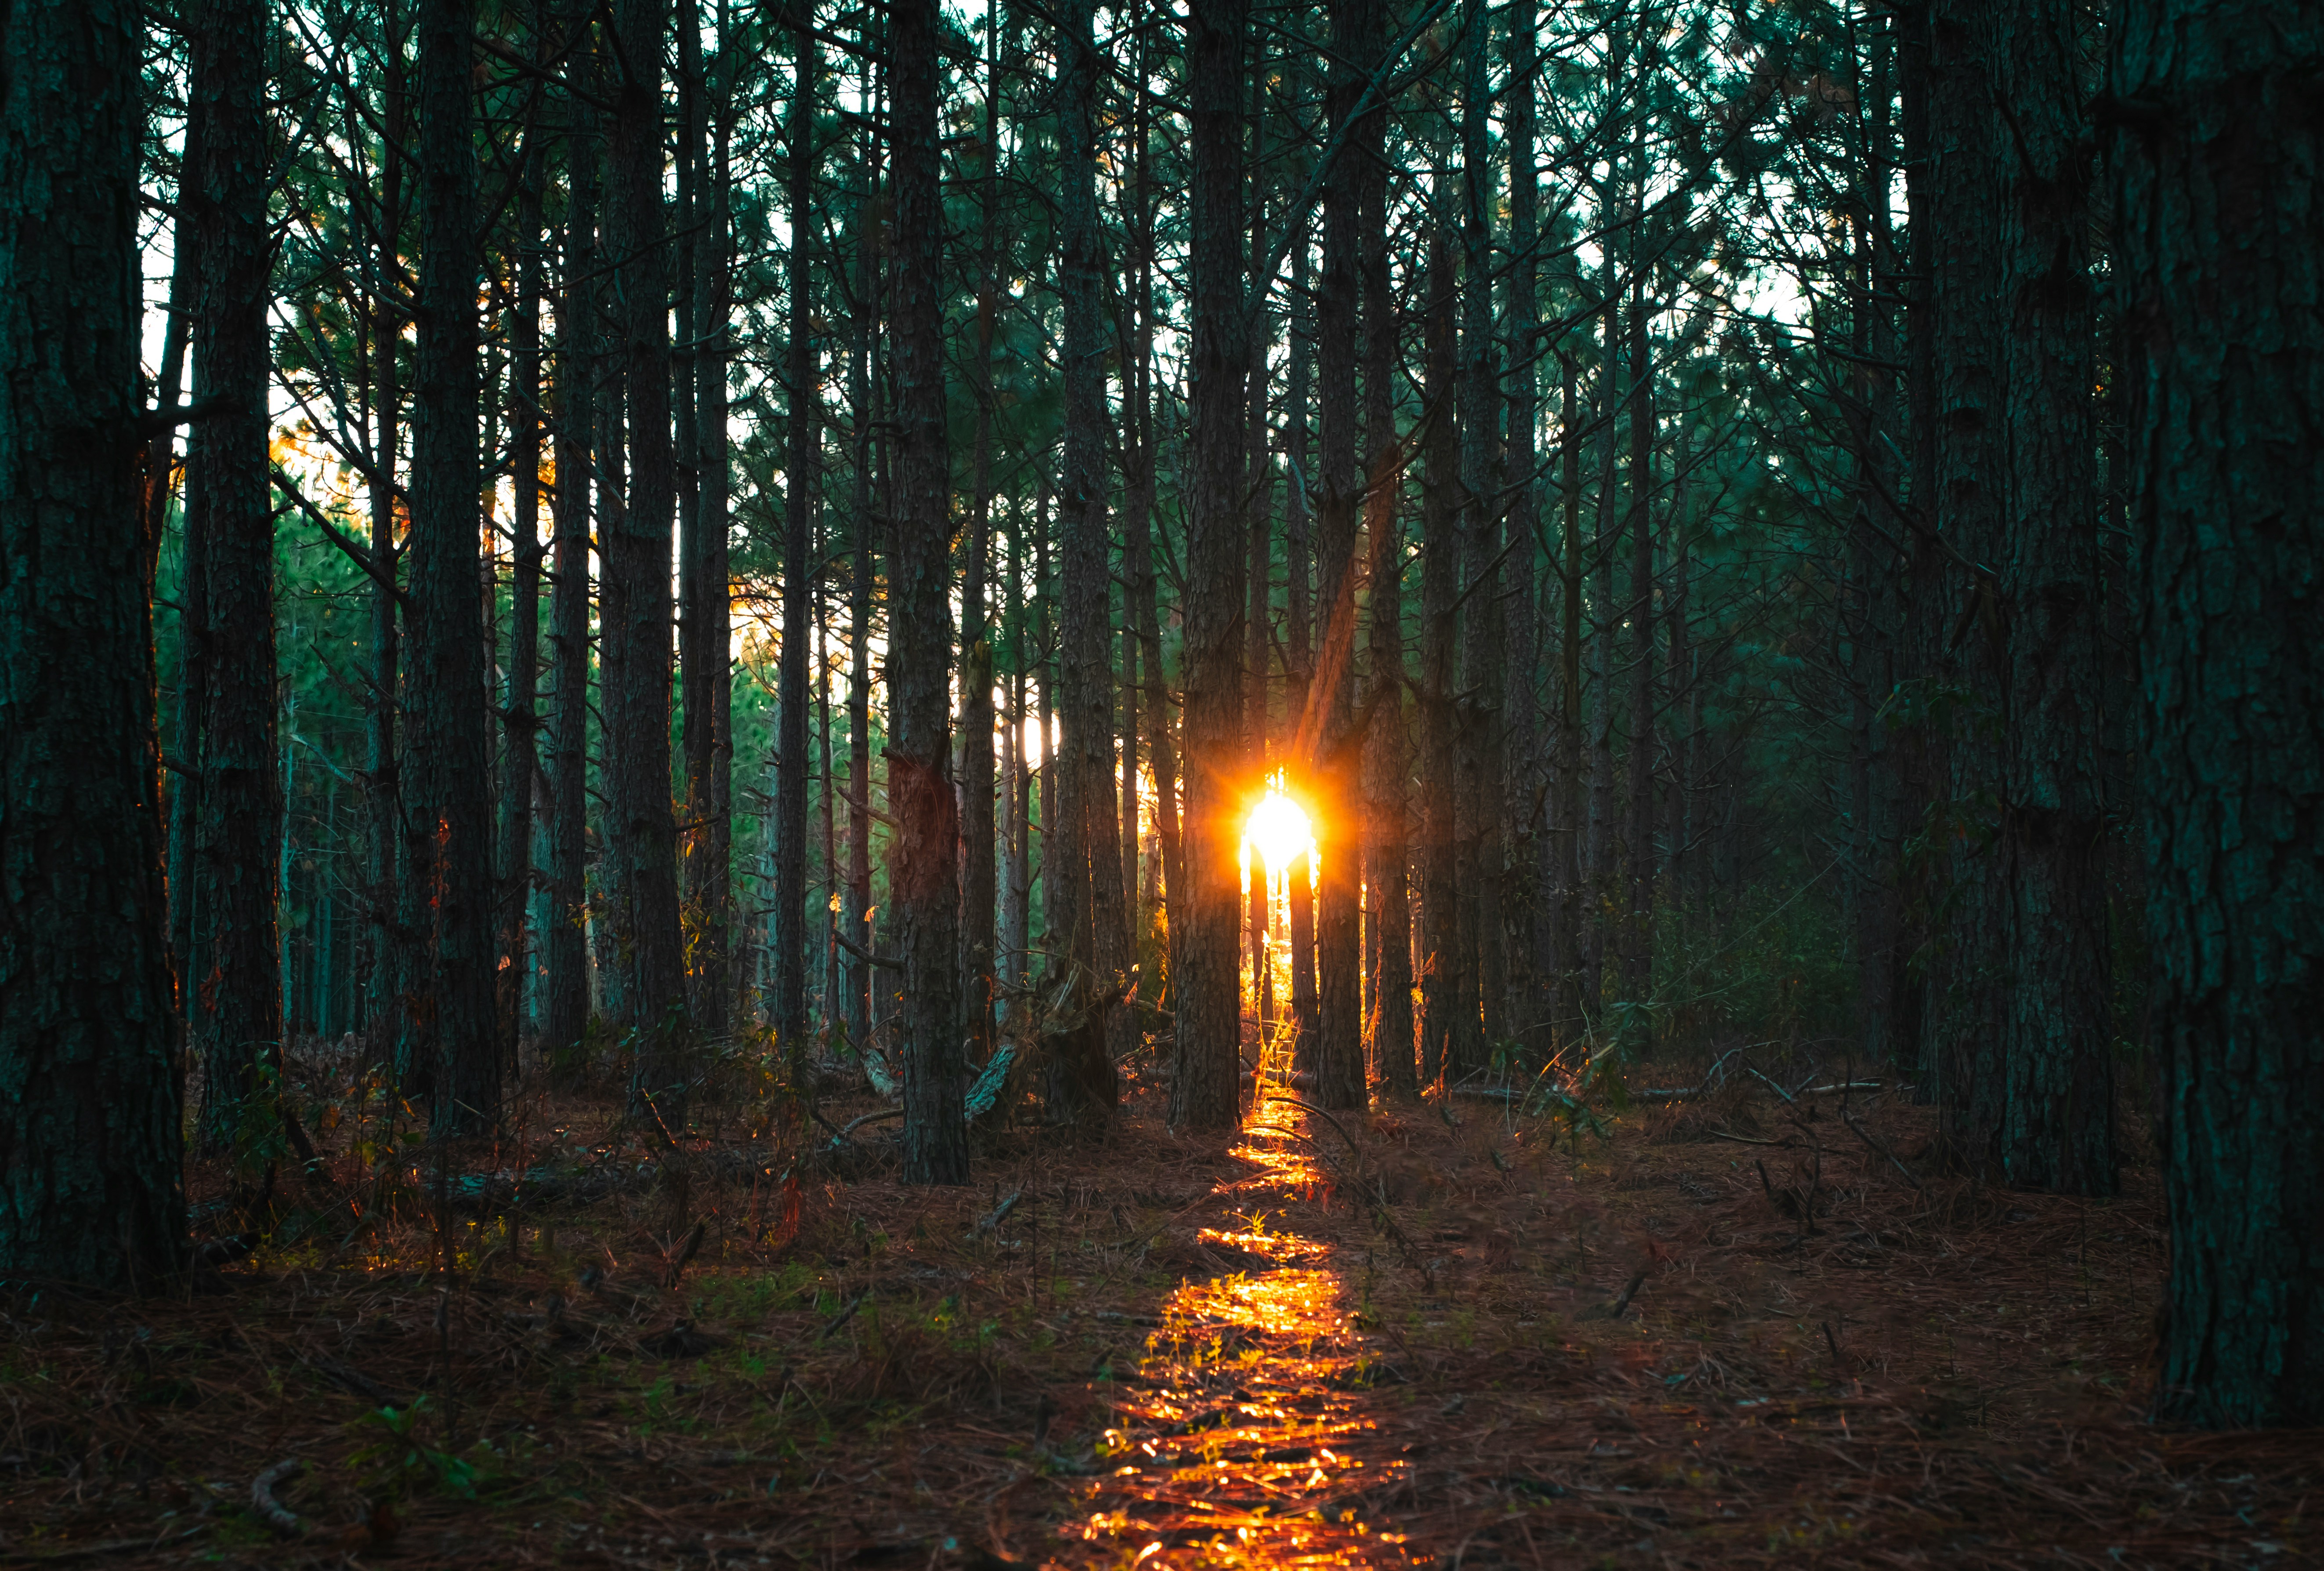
[236, 1001]
[1299, 613]
[1441, 983]
[705, 623]
[1387, 767]
[1969, 155]
[1478, 802]
[181, 786]
[1567, 851]
[520, 750]
[1083, 838]
[1527, 996]
[1204, 1092]
[790, 915]
[1639, 852]
[90, 1151]
[1137, 549]
[978, 894]
[1330, 743]
[1913, 745]
[923, 859]
[1017, 877]
[855, 908]
[2057, 1112]
[565, 961]
[2216, 154]
[450, 817]
[1597, 892]
[636, 608]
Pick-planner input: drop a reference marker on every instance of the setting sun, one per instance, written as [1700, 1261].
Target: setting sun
[1277, 828]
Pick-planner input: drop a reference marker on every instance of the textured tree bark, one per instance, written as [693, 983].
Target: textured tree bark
[450, 819]
[2215, 158]
[236, 1001]
[1082, 1088]
[1299, 616]
[1566, 853]
[1387, 766]
[705, 623]
[862, 397]
[923, 858]
[181, 790]
[520, 720]
[1138, 547]
[1597, 892]
[1969, 158]
[1440, 981]
[635, 609]
[384, 869]
[1910, 740]
[1258, 508]
[1523, 789]
[1328, 739]
[565, 961]
[1204, 1092]
[1639, 853]
[90, 1153]
[2056, 1128]
[1478, 803]
[978, 894]
[1016, 878]
[791, 916]
[1880, 569]
[1257, 503]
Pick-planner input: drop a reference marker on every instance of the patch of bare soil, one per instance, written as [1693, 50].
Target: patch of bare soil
[1748, 1327]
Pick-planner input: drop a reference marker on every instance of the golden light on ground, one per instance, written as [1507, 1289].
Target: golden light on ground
[1277, 829]
[1249, 1440]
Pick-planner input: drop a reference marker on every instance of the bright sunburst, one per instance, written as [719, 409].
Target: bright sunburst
[1277, 828]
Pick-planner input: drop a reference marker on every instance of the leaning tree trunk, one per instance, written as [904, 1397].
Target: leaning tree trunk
[237, 1002]
[89, 1150]
[2218, 261]
[450, 817]
[922, 878]
[635, 616]
[1204, 1093]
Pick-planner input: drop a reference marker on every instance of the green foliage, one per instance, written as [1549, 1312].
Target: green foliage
[403, 1462]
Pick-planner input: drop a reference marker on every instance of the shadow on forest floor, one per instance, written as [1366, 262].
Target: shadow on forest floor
[1732, 1332]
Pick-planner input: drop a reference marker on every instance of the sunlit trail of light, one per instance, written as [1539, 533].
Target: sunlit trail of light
[1241, 1446]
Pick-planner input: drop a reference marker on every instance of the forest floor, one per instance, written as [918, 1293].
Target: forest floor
[1729, 1331]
